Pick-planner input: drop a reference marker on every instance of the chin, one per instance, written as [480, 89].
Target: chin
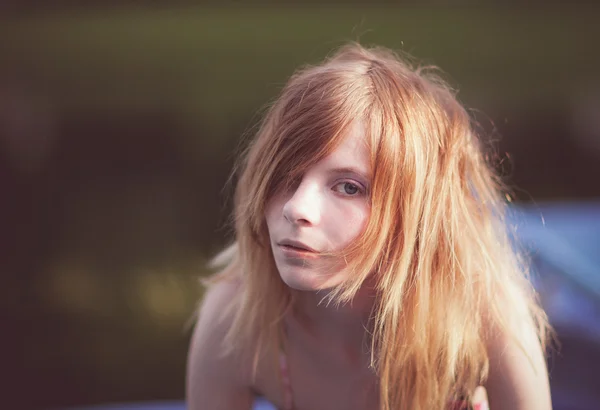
[307, 280]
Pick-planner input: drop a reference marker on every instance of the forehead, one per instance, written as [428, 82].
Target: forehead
[353, 150]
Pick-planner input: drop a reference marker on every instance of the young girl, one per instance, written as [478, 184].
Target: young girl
[371, 267]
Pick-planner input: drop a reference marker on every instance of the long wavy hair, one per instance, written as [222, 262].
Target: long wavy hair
[436, 244]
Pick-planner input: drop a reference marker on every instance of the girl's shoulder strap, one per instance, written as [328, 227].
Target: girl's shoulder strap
[284, 372]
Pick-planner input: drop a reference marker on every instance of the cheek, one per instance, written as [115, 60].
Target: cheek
[350, 223]
[273, 211]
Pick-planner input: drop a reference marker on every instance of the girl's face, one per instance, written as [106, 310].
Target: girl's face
[324, 212]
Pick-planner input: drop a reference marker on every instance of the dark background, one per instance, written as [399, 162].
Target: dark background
[118, 127]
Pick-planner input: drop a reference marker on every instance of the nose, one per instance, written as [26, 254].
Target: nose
[303, 207]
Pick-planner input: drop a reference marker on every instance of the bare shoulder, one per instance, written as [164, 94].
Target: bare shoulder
[216, 380]
[518, 376]
[216, 303]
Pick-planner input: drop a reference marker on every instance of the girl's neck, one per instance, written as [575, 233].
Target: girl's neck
[344, 328]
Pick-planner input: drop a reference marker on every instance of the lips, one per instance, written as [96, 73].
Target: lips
[296, 246]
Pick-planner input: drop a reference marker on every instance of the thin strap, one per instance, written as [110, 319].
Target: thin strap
[288, 402]
[284, 371]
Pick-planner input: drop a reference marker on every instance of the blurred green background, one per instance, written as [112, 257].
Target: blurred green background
[118, 129]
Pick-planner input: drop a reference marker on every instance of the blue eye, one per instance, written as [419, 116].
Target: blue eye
[350, 189]
[347, 188]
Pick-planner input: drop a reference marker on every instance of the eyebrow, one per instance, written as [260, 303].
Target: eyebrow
[351, 170]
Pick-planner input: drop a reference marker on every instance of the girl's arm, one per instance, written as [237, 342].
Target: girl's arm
[517, 381]
[215, 381]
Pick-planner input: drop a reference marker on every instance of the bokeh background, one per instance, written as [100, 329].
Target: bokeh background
[119, 121]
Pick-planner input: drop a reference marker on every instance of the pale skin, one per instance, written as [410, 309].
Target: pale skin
[326, 347]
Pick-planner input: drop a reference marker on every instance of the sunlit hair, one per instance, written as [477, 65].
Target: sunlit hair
[436, 244]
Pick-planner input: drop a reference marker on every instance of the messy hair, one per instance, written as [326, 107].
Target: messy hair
[436, 245]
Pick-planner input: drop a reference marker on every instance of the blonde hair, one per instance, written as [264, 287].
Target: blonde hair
[436, 244]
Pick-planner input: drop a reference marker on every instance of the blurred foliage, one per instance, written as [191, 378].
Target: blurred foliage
[218, 62]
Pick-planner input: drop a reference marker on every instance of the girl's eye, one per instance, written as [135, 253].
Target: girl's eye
[347, 188]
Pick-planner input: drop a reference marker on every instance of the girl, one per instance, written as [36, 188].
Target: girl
[371, 267]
